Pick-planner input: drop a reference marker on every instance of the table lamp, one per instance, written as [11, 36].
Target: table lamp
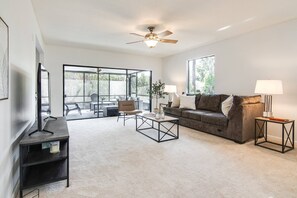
[268, 88]
[170, 89]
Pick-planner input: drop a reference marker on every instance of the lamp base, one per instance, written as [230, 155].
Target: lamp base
[267, 114]
[170, 97]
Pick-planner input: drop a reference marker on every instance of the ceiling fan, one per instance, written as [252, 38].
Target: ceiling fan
[151, 39]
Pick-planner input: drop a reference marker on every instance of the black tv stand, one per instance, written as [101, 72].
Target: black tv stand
[45, 131]
[50, 117]
[38, 166]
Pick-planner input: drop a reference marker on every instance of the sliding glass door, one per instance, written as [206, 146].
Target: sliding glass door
[139, 84]
[89, 91]
[80, 90]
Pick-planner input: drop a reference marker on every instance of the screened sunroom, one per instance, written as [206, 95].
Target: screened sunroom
[93, 92]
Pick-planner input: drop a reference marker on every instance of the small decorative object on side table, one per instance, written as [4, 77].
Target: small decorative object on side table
[261, 125]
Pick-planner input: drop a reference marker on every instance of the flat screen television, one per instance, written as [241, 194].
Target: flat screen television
[43, 102]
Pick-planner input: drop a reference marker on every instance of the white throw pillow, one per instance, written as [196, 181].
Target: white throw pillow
[187, 102]
[227, 104]
[175, 100]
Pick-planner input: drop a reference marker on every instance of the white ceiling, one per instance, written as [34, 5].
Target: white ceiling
[106, 24]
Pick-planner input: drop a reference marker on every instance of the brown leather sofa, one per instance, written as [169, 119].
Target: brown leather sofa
[208, 117]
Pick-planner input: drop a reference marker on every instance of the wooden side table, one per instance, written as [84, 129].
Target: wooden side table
[261, 128]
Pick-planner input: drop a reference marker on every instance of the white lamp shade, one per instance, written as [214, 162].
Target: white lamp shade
[151, 43]
[269, 87]
[170, 89]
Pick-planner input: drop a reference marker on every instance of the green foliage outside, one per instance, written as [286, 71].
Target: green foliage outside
[143, 83]
[91, 76]
[201, 79]
[76, 91]
[208, 84]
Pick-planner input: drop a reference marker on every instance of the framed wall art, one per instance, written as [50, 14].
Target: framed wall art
[4, 59]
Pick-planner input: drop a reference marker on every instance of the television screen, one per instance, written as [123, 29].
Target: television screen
[43, 97]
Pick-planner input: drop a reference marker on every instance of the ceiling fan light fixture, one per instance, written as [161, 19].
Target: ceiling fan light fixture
[151, 39]
[151, 43]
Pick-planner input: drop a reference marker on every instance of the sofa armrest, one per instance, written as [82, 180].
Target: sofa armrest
[243, 100]
[241, 121]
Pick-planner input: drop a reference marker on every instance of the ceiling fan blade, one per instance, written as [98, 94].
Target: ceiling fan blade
[135, 34]
[168, 41]
[135, 42]
[165, 33]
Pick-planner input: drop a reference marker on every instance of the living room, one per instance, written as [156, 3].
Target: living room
[250, 40]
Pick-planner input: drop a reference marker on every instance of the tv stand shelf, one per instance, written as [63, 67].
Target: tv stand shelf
[45, 173]
[38, 166]
[44, 155]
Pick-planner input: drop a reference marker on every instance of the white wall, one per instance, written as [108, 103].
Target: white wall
[18, 112]
[269, 53]
[56, 56]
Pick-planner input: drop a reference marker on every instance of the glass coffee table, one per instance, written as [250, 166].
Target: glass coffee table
[160, 130]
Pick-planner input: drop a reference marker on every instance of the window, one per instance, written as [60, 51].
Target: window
[201, 75]
[117, 85]
[74, 82]
[103, 86]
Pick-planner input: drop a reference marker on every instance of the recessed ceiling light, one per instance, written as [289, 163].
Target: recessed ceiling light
[224, 28]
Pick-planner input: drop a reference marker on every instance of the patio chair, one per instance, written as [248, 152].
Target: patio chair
[127, 109]
[94, 101]
[71, 107]
[94, 97]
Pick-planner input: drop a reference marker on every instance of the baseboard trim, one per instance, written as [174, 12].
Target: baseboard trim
[16, 189]
[277, 139]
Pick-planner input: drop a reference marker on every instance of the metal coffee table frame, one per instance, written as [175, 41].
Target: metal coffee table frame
[160, 123]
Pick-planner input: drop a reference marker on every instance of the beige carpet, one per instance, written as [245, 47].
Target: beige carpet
[110, 160]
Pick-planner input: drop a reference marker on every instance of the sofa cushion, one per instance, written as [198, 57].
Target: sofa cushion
[186, 113]
[224, 97]
[198, 96]
[215, 118]
[173, 110]
[196, 115]
[210, 102]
